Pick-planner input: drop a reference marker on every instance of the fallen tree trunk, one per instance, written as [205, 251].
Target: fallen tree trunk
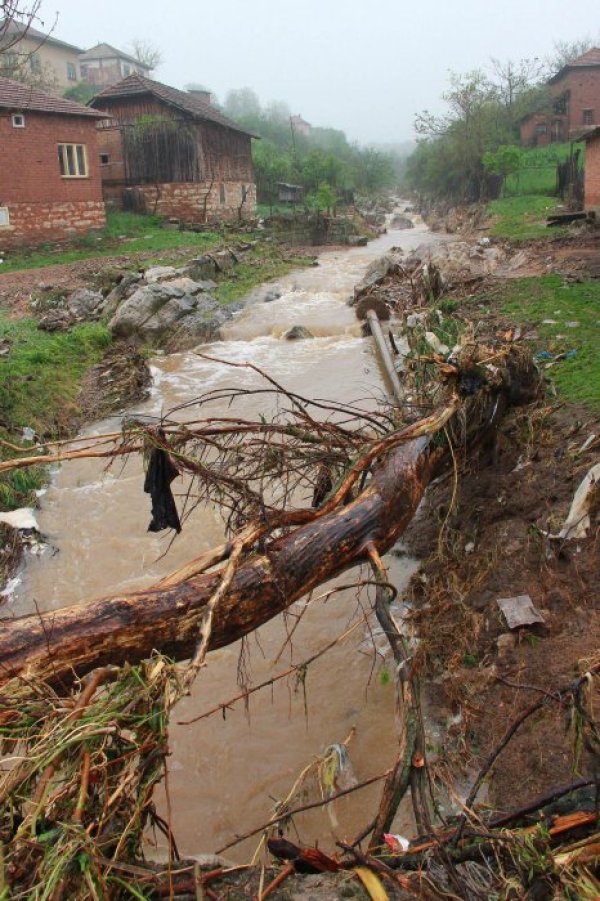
[69, 642]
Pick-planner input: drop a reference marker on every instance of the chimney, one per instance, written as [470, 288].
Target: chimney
[205, 96]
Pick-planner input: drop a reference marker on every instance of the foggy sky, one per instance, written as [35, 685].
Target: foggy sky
[364, 67]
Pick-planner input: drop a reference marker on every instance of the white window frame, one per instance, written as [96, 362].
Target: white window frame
[65, 161]
[18, 120]
[71, 71]
[4, 212]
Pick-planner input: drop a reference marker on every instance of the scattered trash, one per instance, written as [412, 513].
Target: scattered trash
[573, 324]
[396, 842]
[469, 547]
[519, 611]
[577, 523]
[436, 345]
[549, 322]
[589, 440]
[28, 434]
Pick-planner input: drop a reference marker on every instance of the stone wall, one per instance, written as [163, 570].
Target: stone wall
[38, 223]
[190, 202]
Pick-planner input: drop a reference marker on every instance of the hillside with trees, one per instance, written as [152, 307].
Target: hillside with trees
[324, 162]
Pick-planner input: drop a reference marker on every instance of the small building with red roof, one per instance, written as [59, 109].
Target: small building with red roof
[50, 185]
[574, 104]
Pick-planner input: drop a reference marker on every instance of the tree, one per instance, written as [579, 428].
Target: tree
[82, 92]
[242, 103]
[566, 51]
[17, 59]
[505, 161]
[146, 53]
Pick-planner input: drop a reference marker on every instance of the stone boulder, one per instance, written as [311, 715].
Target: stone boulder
[173, 315]
[85, 304]
[297, 333]
[398, 221]
[458, 260]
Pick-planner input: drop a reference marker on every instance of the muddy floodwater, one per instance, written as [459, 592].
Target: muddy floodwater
[226, 771]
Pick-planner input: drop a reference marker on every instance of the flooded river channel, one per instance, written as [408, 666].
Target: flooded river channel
[225, 772]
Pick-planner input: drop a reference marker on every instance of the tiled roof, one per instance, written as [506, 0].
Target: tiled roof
[17, 96]
[590, 135]
[185, 101]
[107, 51]
[17, 28]
[589, 58]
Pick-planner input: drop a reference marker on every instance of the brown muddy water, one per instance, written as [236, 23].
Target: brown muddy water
[224, 773]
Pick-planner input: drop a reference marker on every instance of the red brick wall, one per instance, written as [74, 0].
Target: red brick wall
[584, 85]
[42, 205]
[592, 175]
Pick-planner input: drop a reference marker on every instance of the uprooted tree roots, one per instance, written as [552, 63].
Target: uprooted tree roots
[82, 757]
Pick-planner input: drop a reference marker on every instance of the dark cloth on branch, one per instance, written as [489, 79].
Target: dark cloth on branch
[159, 475]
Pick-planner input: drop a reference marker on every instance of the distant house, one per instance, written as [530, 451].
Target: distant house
[50, 187]
[170, 152]
[289, 193]
[300, 125]
[574, 104]
[38, 55]
[104, 65]
[591, 188]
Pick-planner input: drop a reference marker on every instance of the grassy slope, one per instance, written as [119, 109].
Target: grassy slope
[530, 301]
[39, 382]
[529, 195]
[126, 233]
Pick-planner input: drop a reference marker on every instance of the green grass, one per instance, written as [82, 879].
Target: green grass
[40, 379]
[533, 300]
[537, 174]
[522, 218]
[126, 233]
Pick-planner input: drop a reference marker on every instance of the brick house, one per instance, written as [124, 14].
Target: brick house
[104, 65]
[50, 186]
[173, 153]
[574, 104]
[40, 56]
[591, 188]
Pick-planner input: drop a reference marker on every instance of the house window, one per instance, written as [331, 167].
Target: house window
[18, 120]
[222, 193]
[104, 159]
[35, 63]
[72, 159]
[126, 69]
[588, 116]
[84, 70]
[540, 129]
[4, 217]
[71, 72]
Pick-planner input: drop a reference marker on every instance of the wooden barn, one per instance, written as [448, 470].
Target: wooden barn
[173, 153]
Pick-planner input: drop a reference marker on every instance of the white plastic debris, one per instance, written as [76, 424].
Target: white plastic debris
[519, 611]
[28, 434]
[436, 345]
[20, 519]
[577, 523]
